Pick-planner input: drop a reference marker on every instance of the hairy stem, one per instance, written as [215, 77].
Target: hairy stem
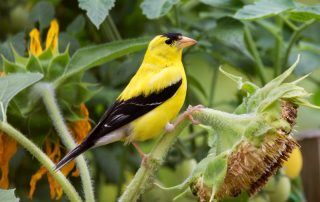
[254, 51]
[67, 187]
[150, 165]
[47, 93]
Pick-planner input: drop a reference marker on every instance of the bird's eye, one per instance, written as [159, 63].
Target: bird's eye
[169, 41]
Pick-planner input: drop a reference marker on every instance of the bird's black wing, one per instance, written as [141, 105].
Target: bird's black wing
[123, 112]
[120, 114]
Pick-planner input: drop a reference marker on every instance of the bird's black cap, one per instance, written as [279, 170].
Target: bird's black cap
[173, 36]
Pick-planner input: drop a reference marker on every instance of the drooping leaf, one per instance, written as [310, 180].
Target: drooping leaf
[156, 8]
[43, 12]
[8, 196]
[88, 57]
[263, 9]
[97, 10]
[306, 13]
[11, 85]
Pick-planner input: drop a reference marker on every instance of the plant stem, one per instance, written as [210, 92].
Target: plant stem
[114, 28]
[294, 38]
[149, 166]
[42, 158]
[47, 93]
[214, 80]
[253, 49]
[278, 47]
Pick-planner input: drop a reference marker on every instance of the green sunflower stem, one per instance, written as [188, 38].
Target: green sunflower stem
[67, 187]
[47, 93]
[150, 165]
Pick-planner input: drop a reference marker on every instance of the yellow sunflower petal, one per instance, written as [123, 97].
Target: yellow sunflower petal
[52, 36]
[35, 44]
[8, 147]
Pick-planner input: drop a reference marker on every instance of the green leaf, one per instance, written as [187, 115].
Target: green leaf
[16, 43]
[8, 196]
[11, 85]
[263, 9]
[43, 12]
[306, 13]
[76, 93]
[10, 67]
[230, 33]
[57, 66]
[97, 10]
[88, 57]
[220, 3]
[215, 172]
[34, 65]
[156, 8]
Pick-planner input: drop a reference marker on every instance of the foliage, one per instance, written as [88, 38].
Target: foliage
[256, 39]
[8, 195]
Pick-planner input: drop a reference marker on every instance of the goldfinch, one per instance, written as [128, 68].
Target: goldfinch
[153, 97]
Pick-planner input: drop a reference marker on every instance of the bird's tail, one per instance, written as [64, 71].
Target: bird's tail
[71, 155]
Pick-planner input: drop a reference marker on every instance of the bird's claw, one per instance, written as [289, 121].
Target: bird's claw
[187, 114]
[190, 110]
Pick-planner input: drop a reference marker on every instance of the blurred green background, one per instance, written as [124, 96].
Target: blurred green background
[237, 42]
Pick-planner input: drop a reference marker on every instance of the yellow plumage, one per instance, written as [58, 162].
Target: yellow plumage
[160, 68]
[153, 97]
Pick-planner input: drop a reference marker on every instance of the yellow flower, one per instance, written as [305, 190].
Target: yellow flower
[79, 130]
[8, 147]
[52, 36]
[35, 44]
[292, 167]
[51, 42]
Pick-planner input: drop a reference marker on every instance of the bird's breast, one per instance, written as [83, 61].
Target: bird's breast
[153, 123]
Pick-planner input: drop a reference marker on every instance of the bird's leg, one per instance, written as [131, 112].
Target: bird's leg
[141, 153]
[187, 114]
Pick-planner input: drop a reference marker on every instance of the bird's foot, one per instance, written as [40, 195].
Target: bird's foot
[185, 115]
[139, 150]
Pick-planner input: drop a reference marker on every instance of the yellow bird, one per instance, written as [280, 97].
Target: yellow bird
[153, 97]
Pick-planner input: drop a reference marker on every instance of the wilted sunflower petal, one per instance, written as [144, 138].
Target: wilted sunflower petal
[34, 180]
[8, 147]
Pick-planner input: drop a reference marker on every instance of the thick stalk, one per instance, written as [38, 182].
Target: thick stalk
[150, 165]
[254, 51]
[67, 187]
[47, 93]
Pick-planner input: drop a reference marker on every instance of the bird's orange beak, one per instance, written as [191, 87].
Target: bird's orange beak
[185, 42]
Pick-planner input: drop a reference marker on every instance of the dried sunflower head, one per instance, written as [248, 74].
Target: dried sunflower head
[251, 144]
